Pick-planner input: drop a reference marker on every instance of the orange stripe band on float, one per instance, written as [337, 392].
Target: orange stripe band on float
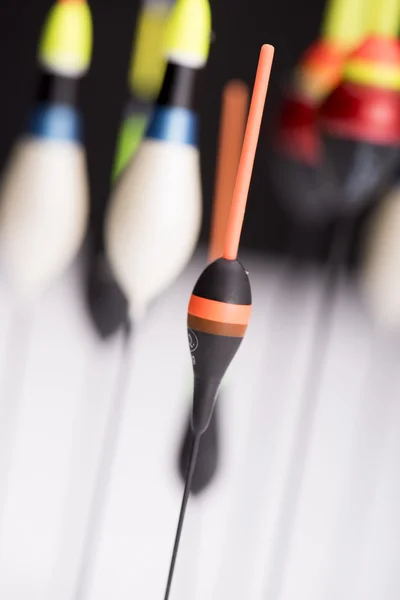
[320, 70]
[216, 328]
[221, 312]
[378, 50]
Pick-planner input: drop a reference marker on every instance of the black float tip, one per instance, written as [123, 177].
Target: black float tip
[208, 458]
[107, 304]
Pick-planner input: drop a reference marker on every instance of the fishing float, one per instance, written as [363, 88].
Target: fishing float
[380, 261]
[153, 219]
[302, 186]
[220, 305]
[235, 100]
[365, 101]
[336, 208]
[360, 119]
[44, 190]
[107, 304]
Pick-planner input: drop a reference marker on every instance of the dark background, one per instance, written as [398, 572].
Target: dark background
[240, 28]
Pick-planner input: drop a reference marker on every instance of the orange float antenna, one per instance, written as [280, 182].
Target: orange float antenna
[235, 102]
[240, 194]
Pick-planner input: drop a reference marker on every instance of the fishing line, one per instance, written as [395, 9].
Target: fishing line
[189, 477]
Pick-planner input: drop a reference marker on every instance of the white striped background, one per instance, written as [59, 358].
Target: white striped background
[306, 502]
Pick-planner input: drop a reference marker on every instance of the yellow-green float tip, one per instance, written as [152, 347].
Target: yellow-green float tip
[67, 38]
[188, 33]
[148, 61]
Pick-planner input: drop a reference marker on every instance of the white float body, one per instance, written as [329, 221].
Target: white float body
[380, 276]
[154, 219]
[44, 205]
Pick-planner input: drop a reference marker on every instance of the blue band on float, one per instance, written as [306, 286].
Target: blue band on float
[173, 124]
[55, 122]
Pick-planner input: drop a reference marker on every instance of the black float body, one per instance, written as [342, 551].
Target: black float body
[214, 341]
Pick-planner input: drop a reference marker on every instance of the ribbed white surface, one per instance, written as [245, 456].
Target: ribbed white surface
[330, 473]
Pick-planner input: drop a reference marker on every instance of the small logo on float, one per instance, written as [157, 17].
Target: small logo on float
[193, 341]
